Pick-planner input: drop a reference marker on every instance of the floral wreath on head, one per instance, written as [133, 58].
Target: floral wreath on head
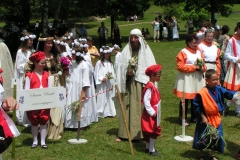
[68, 37]
[45, 39]
[32, 36]
[60, 42]
[106, 49]
[78, 53]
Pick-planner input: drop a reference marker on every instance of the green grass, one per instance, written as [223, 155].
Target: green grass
[101, 135]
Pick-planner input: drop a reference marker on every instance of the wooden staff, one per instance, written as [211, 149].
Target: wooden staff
[79, 114]
[124, 118]
[14, 120]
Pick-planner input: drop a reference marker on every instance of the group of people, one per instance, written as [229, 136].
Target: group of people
[80, 67]
[208, 63]
[165, 29]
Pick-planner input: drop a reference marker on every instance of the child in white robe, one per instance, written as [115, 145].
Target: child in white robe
[103, 73]
[79, 81]
[23, 54]
[116, 51]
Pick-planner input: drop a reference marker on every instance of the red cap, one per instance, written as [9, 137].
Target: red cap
[37, 56]
[153, 69]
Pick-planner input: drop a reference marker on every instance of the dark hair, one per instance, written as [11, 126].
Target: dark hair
[207, 24]
[238, 25]
[102, 56]
[156, 18]
[33, 65]
[23, 44]
[190, 38]
[209, 73]
[78, 58]
[54, 50]
[225, 29]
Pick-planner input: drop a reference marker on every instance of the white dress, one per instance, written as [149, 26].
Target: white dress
[21, 60]
[105, 103]
[79, 78]
[175, 30]
[116, 61]
[91, 89]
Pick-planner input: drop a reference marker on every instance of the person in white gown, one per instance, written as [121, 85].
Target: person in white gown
[103, 73]
[117, 52]
[175, 29]
[79, 81]
[23, 54]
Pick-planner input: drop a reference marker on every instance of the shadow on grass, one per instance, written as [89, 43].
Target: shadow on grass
[190, 154]
[26, 130]
[233, 149]
[112, 131]
[173, 120]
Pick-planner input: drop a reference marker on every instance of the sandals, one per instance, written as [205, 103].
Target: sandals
[44, 146]
[34, 146]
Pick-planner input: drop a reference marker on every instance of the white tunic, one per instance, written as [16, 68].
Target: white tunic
[79, 79]
[91, 89]
[175, 30]
[21, 60]
[104, 101]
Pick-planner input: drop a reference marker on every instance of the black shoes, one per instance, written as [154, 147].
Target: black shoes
[155, 153]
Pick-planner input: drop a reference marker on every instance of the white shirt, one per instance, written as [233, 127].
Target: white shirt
[146, 100]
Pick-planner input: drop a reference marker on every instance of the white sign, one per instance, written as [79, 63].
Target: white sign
[41, 98]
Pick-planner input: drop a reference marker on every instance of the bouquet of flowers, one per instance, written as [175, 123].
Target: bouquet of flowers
[74, 107]
[109, 75]
[132, 64]
[200, 62]
[210, 137]
[65, 63]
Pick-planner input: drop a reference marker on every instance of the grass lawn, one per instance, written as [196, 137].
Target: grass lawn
[101, 135]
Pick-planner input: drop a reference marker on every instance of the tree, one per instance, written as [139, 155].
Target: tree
[212, 6]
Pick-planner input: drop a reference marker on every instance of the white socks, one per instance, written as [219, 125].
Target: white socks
[151, 145]
[43, 132]
[34, 134]
[147, 145]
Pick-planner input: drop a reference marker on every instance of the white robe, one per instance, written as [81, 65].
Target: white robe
[79, 78]
[21, 60]
[175, 30]
[91, 89]
[105, 103]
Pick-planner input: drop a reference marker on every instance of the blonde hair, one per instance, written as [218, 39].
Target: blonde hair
[24, 45]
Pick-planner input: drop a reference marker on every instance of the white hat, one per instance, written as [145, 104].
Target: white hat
[116, 47]
[136, 32]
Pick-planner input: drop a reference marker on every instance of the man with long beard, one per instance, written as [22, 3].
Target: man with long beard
[135, 58]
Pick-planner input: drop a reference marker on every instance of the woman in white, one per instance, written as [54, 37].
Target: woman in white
[79, 81]
[210, 51]
[23, 54]
[175, 29]
[103, 73]
[91, 90]
[155, 25]
[116, 51]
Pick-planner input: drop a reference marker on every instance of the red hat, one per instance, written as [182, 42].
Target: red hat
[153, 69]
[1, 70]
[37, 56]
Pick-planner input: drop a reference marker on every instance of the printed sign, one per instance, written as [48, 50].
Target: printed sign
[41, 98]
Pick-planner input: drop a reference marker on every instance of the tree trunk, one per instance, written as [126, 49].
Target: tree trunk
[57, 14]
[26, 13]
[112, 25]
[45, 18]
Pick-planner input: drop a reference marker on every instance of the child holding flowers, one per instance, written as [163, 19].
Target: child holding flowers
[208, 104]
[38, 78]
[103, 73]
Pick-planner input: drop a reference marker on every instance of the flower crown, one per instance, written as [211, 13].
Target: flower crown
[27, 37]
[45, 39]
[60, 43]
[67, 37]
[103, 50]
[79, 44]
[77, 53]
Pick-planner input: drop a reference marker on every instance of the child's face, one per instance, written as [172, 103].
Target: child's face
[212, 81]
[156, 77]
[106, 55]
[40, 65]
